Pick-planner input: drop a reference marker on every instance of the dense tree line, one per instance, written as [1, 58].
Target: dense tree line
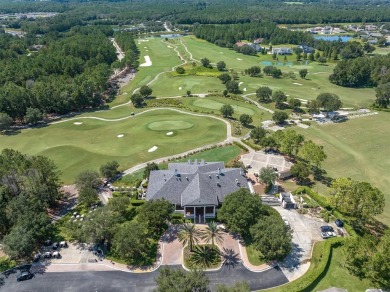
[228, 35]
[363, 72]
[69, 73]
[126, 42]
[29, 186]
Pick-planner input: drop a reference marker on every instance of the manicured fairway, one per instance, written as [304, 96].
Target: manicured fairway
[163, 59]
[214, 104]
[359, 149]
[167, 86]
[86, 146]
[316, 82]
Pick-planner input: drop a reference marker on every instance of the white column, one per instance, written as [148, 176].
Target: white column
[204, 214]
[214, 211]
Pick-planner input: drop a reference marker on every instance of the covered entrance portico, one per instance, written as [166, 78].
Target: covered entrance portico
[199, 213]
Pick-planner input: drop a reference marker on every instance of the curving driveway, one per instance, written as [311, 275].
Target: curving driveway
[122, 281]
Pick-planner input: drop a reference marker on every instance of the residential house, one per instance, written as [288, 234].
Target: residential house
[195, 188]
[306, 49]
[282, 51]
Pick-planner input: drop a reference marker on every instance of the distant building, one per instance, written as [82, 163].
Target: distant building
[255, 46]
[258, 41]
[306, 49]
[282, 51]
[195, 188]
[240, 44]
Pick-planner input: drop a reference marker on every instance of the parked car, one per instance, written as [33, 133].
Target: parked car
[56, 255]
[36, 257]
[339, 223]
[327, 234]
[24, 276]
[326, 228]
[63, 244]
[47, 255]
[55, 245]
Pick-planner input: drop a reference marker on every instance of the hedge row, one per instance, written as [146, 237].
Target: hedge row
[324, 203]
[240, 146]
[252, 145]
[318, 198]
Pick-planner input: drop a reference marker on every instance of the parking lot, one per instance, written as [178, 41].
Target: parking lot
[306, 231]
[73, 254]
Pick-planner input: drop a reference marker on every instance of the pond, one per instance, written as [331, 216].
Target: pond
[333, 38]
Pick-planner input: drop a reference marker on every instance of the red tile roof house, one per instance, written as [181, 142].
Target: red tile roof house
[196, 188]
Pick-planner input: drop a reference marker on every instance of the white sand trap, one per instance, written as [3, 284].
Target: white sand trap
[221, 52]
[139, 43]
[120, 135]
[145, 47]
[169, 134]
[180, 88]
[125, 93]
[147, 63]
[287, 94]
[78, 123]
[154, 148]
[297, 83]
[146, 50]
[169, 47]
[245, 89]
[143, 40]
[239, 59]
[239, 84]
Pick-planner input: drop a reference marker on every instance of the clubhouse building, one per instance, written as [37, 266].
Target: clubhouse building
[196, 188]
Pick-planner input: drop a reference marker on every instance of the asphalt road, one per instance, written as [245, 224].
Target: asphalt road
[122, 281]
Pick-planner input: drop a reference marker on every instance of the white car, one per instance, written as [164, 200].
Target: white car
[327, 234]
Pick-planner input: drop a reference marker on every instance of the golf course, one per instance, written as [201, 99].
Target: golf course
[83, 143]
[92, 138]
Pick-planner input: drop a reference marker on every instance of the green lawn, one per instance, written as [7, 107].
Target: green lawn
[338, 276]
[359, 149]
[79, 147]
[317, 80]
[163, 59]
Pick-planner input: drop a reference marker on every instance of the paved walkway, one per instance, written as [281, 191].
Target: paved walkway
[256, 103]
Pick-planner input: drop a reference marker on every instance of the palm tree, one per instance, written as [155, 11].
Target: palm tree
[205, 256]
[189, 234]
[212, 233]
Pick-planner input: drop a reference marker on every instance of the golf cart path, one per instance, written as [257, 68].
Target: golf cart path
[159, 74]
[256, 103]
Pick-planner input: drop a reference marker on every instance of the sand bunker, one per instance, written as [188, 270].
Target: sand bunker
[239, 84]
[145, 47]
[297, 83]
[245, 89]
[169, 134]
[180, 88]
[154, 148]
[78, 123]
[239, 59]
[120, 135]
[169, 47]
[146, 50]
[147, 63]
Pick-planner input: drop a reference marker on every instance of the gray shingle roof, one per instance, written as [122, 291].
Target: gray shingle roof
[195, 184]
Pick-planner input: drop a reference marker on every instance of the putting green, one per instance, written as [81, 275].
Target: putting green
[75, 148]
[169, 125]
[215, 105]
